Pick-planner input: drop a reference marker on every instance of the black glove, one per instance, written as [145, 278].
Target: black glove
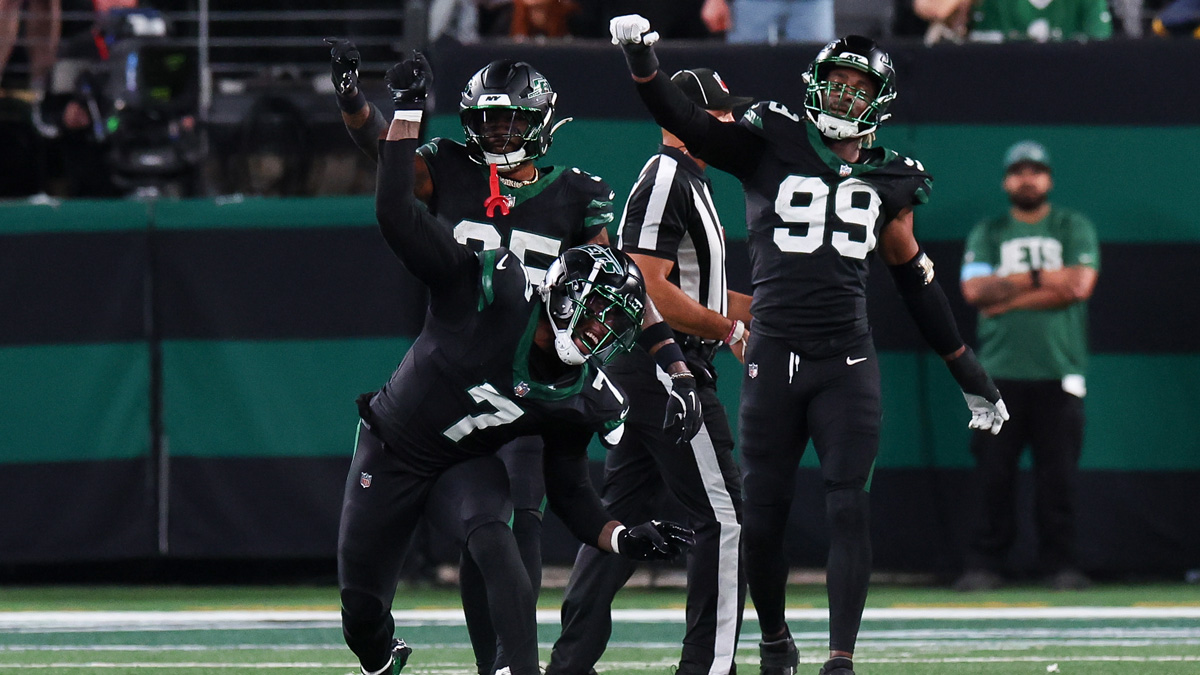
[344, 58]
[410, 82]
[684, 416]
[654, 540]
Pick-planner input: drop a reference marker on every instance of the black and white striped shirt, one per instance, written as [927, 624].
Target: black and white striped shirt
[670, 215]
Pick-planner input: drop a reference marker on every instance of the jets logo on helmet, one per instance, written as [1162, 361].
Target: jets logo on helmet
[595, 298]
[838, 109]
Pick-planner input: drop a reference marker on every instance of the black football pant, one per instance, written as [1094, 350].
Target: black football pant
[1050, 421]
[523, 463]
[835, 402]
[704, 478]
[381, 506]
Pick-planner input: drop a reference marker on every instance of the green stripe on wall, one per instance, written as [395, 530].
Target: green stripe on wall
[264, 212]
[271, 398]
[74, 402]
[75, 215]
[1116, 175]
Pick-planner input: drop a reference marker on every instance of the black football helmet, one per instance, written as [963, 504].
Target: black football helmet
[860, 53]
[594, 295]
[507, 110]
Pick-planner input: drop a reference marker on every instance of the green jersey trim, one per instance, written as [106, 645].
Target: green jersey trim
[602, 218]
[537, 390]
[487, 292]
[527, 192]
[837, 163]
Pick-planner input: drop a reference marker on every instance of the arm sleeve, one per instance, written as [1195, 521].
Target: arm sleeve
[367, 136]
[656, 214]
[424, 244]
[927, 304]
[569, 489]
[725, 145]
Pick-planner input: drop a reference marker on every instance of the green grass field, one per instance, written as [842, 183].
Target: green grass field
[1108, 630]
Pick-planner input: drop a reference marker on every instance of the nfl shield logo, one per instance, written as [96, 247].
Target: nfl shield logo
[521, 389]
[365, 480]
[752, 368]
[844, 171]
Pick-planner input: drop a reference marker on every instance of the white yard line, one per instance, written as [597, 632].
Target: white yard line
[172, 620]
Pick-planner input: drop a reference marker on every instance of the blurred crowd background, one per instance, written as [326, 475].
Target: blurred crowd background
[106, 98]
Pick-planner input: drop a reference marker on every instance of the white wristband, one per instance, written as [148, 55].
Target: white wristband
[612, 543]
[737, 333]
[408, 115]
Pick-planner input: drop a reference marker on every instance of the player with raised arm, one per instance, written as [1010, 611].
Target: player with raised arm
[819, 203]
[497, 358]
[492, 193]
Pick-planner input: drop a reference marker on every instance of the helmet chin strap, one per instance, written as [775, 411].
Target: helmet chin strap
[567, 352]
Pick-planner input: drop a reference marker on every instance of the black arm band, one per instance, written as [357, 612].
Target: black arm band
[641, 59]
[654, 334]
[927, 303]
[352, 104]
[668, 354]
[657, 333]
[367, 136]
[968, 372]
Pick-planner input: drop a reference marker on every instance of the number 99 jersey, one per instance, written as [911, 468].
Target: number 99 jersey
[814, 221]
[565, 207]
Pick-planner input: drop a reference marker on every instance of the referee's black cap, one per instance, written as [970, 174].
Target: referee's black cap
[706, 89]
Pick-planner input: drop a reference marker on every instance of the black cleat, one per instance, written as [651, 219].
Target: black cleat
[400, 653]
[839, 665]
[778, 657]
[399, 657]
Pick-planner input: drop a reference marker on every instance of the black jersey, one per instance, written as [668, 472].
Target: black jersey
[465, 388]
[813, 219]
[565, 207]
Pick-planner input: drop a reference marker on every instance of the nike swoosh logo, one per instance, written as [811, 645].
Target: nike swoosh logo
[851, 362]
[500, 265]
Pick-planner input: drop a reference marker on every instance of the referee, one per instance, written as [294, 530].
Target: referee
[671, 229]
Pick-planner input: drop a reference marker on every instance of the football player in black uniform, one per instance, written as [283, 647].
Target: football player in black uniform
[819, 201]
[492, 194]
[495, 360]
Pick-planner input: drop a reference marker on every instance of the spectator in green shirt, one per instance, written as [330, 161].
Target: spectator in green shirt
[1030, 273]
[1041, 20]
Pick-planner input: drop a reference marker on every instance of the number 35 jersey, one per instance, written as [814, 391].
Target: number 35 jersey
[565, 207]
[814, 221]
[465, 387]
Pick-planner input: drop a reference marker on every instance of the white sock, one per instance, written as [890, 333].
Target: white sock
[381, 671]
